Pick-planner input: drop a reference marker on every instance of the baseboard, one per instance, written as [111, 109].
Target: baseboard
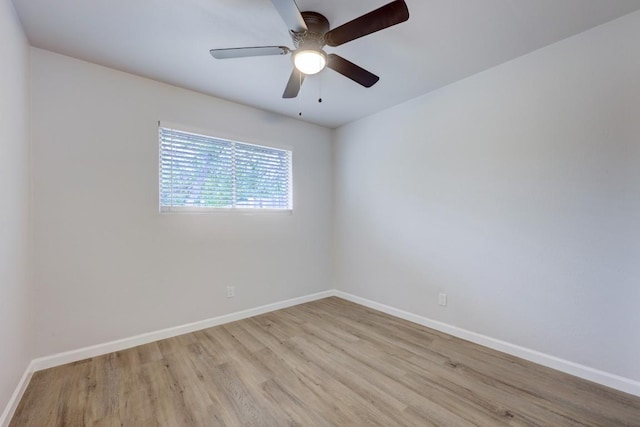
[585, 372]
[125, 343]
[12, 405]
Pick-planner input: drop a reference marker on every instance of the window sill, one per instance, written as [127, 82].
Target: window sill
[233, 211]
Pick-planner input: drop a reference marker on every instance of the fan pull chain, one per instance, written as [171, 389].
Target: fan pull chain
[319, 89]
[299, 97]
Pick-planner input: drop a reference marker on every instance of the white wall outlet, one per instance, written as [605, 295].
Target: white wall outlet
[442, 299]
[231, 291]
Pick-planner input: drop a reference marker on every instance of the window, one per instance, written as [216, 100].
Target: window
[202, 173]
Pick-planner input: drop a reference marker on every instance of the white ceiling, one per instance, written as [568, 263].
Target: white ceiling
[443, 41]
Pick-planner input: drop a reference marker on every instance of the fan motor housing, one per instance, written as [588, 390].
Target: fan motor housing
[317, 26]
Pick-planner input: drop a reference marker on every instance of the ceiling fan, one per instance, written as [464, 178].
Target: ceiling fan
[310, 33]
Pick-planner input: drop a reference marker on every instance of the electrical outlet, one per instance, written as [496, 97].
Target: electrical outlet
[442, 299]
[231, 291]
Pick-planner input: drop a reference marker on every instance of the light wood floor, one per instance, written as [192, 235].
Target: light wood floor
[325, 363]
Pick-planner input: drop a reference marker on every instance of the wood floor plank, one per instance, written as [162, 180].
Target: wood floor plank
[382, 375]
[300, 413]
[325, 363]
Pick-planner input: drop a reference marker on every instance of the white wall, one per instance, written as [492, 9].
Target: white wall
[107, 264]
[516, 192]
[15, 321]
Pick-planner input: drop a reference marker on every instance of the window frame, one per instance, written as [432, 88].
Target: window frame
[221, 210]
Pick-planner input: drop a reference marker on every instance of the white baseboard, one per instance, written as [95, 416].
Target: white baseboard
[585, 372]
[125, 343]
[11, 407]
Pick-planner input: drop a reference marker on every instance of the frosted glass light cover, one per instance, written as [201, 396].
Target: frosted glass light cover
[309, 61]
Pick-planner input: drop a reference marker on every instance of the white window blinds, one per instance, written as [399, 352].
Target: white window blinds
[199, 172]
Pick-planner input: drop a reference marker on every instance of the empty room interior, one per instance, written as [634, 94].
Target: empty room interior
[320, 213]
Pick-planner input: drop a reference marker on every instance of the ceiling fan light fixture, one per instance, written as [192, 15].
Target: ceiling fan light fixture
[310, 32]
[309, 61]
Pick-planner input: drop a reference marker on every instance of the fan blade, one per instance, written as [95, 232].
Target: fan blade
[290, 14]
[351, 70]
[293, 85]
[242, 52]
[391, 14]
